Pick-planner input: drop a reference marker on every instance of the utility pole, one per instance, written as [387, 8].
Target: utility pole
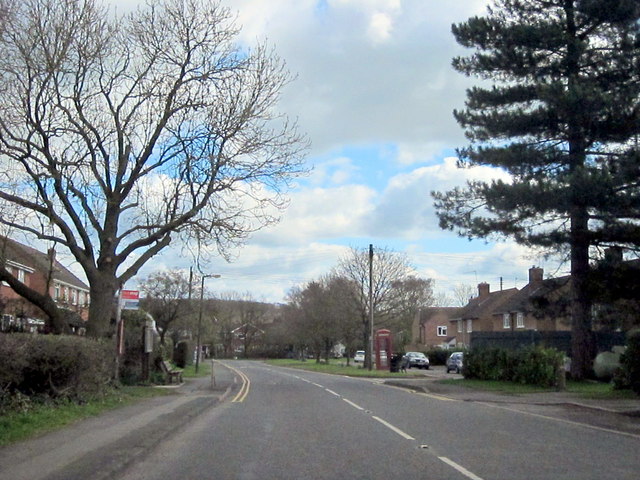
[370, 306]
[198, 346]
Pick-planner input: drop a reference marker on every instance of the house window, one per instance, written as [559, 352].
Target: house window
[520, 320]
[56, 293]
[442, 331]
[459, 326]
[74, 297]
[20, 274]
[506, 320]
[65, 294]
[469, 326]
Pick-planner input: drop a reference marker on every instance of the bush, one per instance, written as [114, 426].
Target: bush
[537, 366]
[438, 356]
[532, 366]
[183, 354]
[53, 367]
[629, 375]
[489, 364]
[132, 367]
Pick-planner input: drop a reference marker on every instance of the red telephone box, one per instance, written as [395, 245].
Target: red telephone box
[383, 349]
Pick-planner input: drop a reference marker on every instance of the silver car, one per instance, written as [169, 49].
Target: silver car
[416, 359]
[454, 362]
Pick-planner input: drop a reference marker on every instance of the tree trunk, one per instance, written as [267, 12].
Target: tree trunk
[101, 308]
[581, 335]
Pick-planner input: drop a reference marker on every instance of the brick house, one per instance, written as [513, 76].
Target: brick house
[540, 305]
[480, 314]
[431, 328]
[41, 272]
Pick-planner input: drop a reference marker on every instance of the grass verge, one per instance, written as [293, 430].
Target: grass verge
[204, 369]
[586, 389]
[39, 419]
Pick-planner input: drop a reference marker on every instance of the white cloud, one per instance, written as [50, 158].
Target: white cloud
[369, 72]
[405, 208]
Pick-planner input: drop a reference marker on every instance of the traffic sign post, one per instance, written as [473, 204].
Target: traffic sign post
[127, 300]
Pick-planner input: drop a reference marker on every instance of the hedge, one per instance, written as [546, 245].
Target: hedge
[531, 365]
[629, 374]
[53, 367]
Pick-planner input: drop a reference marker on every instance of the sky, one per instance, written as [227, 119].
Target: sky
[374, 92]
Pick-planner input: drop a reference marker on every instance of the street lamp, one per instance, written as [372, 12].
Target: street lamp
[198, 346]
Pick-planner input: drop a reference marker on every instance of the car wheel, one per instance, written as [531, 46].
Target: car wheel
[458, 370]
[427, 367]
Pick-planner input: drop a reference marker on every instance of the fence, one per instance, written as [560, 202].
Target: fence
[559, 340]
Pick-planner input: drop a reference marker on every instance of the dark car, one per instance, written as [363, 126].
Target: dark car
[416, 359]
[454, 362]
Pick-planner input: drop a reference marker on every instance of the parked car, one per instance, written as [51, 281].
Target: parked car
[454, 362]
[417, 359]
[359, 356]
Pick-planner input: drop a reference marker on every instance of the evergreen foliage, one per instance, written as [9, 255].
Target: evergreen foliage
[560, 115]
[528, 366]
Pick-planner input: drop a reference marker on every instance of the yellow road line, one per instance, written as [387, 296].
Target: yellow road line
[244, 389]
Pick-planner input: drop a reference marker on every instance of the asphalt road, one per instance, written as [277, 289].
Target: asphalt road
[286, 424]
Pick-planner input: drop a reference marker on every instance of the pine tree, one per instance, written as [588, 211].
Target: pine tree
[558, 109]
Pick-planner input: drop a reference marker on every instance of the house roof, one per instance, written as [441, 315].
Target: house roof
[522, 301]
[38, 261]
[486, 304]
[427, 314]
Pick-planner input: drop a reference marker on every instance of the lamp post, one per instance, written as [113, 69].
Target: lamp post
[198, 346]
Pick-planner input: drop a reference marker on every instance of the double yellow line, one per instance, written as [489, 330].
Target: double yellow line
[244, 389]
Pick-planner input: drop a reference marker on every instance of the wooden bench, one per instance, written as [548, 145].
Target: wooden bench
[171, 372]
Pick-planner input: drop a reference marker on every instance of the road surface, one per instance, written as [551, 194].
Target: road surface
[289, 424]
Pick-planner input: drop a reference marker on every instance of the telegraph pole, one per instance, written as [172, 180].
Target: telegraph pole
[370, 306]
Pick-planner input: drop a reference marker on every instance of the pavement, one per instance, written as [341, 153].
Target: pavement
[107, 444]
[427, 383]
[100, 447]
[617, 416]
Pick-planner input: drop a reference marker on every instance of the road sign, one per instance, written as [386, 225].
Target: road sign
[130, 299]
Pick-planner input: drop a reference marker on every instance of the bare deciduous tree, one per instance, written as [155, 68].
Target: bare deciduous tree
[462, 293]
[166, 298]
[395, 292]
[121, 133]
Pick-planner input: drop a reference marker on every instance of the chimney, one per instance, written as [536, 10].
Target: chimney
[483, 289]
[535, 275]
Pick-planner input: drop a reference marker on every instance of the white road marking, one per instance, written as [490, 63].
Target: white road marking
[332, 392]
[395, 429]
[460, 469]
[562, 420]
[353, 404]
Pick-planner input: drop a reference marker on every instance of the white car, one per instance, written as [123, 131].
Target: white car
[359, 356]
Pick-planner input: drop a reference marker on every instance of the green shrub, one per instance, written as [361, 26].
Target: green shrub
[53, 367]
[132, 367]
[629, 375]
[537, 366]
[438, 356]
[488, 364]
[183, 354]
[531, 366]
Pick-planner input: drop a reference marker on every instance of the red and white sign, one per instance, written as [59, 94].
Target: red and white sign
[130, 299]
